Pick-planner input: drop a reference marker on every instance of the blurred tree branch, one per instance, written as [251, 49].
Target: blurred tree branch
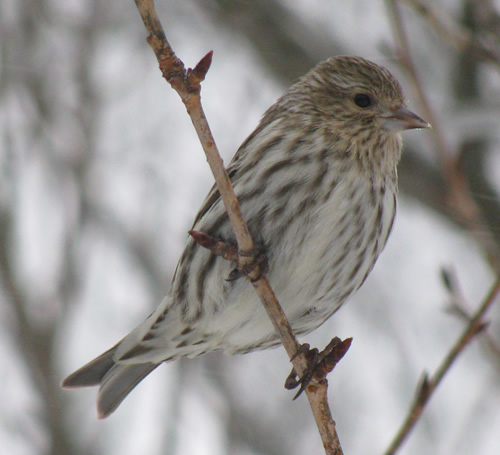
[287, 44]
[466, 212]
[36, 345]
[478, 17]
[36, 340]
[481, 43]
[458, 306]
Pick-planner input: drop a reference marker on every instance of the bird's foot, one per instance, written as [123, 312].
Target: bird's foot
[319, 363]
[229, 251]
[259, 259]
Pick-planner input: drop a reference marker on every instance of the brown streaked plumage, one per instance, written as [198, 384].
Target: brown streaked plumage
[317, 184]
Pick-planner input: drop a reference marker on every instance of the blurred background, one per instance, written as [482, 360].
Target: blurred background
[101, 175]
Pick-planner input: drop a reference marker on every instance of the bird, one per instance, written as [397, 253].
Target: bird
[317, 185]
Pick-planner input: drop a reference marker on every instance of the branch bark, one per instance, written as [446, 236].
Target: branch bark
[187, 84]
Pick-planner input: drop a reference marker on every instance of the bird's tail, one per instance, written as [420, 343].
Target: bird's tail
[115, 380]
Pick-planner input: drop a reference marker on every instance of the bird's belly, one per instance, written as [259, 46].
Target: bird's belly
[314, 268]
[340, 252]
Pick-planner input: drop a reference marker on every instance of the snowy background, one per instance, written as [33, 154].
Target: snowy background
[101, 175]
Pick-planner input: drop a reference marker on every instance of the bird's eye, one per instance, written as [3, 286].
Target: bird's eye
[362, 100]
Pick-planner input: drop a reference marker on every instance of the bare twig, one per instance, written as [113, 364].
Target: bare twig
[458, 307]
[187, 85]
[428, 385]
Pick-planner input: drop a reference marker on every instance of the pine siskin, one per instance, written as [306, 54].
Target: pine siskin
[317, 184]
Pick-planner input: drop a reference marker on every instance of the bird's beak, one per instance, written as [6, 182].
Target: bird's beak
[403, 119]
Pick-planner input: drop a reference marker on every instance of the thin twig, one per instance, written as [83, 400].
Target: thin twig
[458, 307]
[187, 85]
[428, 385]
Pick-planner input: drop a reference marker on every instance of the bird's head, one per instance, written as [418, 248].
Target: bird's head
[356, 94]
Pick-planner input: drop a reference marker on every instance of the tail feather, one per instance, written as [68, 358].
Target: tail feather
[118, 383]
[116, 380]
[92, 373]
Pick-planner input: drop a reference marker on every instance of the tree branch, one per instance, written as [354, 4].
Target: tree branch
[187, 85]
[428, 385]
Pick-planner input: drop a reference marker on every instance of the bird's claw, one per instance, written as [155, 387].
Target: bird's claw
[319, 363]
[259, 260]
[229, 251]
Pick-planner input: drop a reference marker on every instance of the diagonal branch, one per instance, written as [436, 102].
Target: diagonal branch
[187, 84]
[429, 384]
